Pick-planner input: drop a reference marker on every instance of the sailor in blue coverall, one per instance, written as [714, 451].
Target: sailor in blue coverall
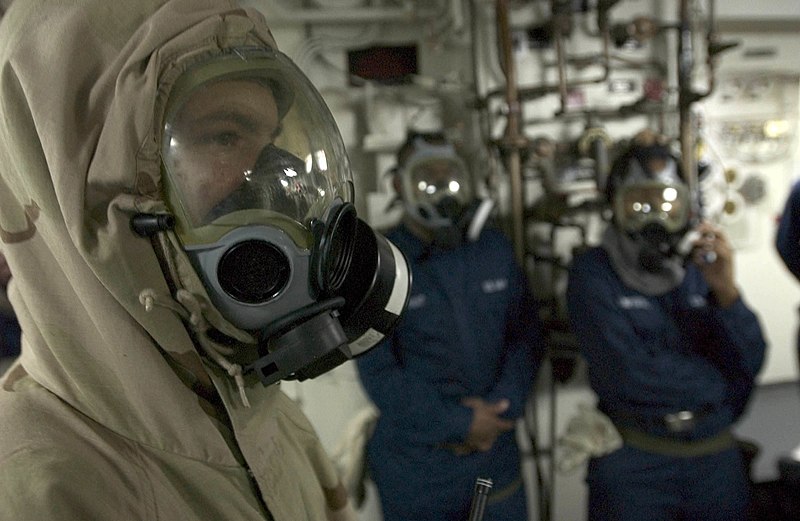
[672, 351]
[459, 367]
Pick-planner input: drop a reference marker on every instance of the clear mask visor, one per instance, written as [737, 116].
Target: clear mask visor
[640, 204]
[435, 179]
[248, 140]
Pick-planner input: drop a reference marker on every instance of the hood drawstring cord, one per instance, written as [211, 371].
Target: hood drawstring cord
[190, 308]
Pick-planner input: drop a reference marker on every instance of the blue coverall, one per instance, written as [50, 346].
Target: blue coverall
[649, 356]
[787, 240]
[9, 336]
[470, 329]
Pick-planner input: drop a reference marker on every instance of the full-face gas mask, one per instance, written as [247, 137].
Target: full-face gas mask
[651, 203]
[258, 181]
[437, 193]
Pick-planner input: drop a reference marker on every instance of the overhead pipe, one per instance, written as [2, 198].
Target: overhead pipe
[344, 15]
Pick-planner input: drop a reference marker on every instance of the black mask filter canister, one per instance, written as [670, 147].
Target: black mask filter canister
[361, 284]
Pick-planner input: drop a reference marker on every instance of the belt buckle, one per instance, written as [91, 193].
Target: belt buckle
[680, 421]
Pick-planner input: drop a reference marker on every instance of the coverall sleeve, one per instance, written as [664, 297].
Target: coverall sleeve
[410, 401]
[787, 239]
[523, 354]
[739, 352]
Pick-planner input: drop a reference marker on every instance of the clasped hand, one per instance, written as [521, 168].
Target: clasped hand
[487, 424]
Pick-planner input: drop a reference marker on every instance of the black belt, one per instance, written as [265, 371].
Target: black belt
[675, 422]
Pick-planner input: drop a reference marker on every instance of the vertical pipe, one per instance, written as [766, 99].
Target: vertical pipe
[512, 140]
[686, 96]
[605, 31]
[711, 46]
[475, 17]
[561, 61]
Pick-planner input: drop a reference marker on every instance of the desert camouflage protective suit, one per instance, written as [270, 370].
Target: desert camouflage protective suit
[111, 412]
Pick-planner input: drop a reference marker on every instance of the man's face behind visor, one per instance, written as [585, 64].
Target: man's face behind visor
[649, 192]
[217, 137]
[249, 133]
[434, 184]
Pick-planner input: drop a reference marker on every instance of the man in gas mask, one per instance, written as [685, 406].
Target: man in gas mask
[672, 350]
[437, 193]
[455, 374]
[176, 207]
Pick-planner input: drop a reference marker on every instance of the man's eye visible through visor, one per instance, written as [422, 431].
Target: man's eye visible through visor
[222, 139]
[216, 138]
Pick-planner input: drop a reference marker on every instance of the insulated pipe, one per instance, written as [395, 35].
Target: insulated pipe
[513, 139]
[594, 143]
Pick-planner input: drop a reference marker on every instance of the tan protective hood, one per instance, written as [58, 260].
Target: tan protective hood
[78, 157]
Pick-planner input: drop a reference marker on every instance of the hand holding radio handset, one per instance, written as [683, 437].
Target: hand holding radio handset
[712, 253]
